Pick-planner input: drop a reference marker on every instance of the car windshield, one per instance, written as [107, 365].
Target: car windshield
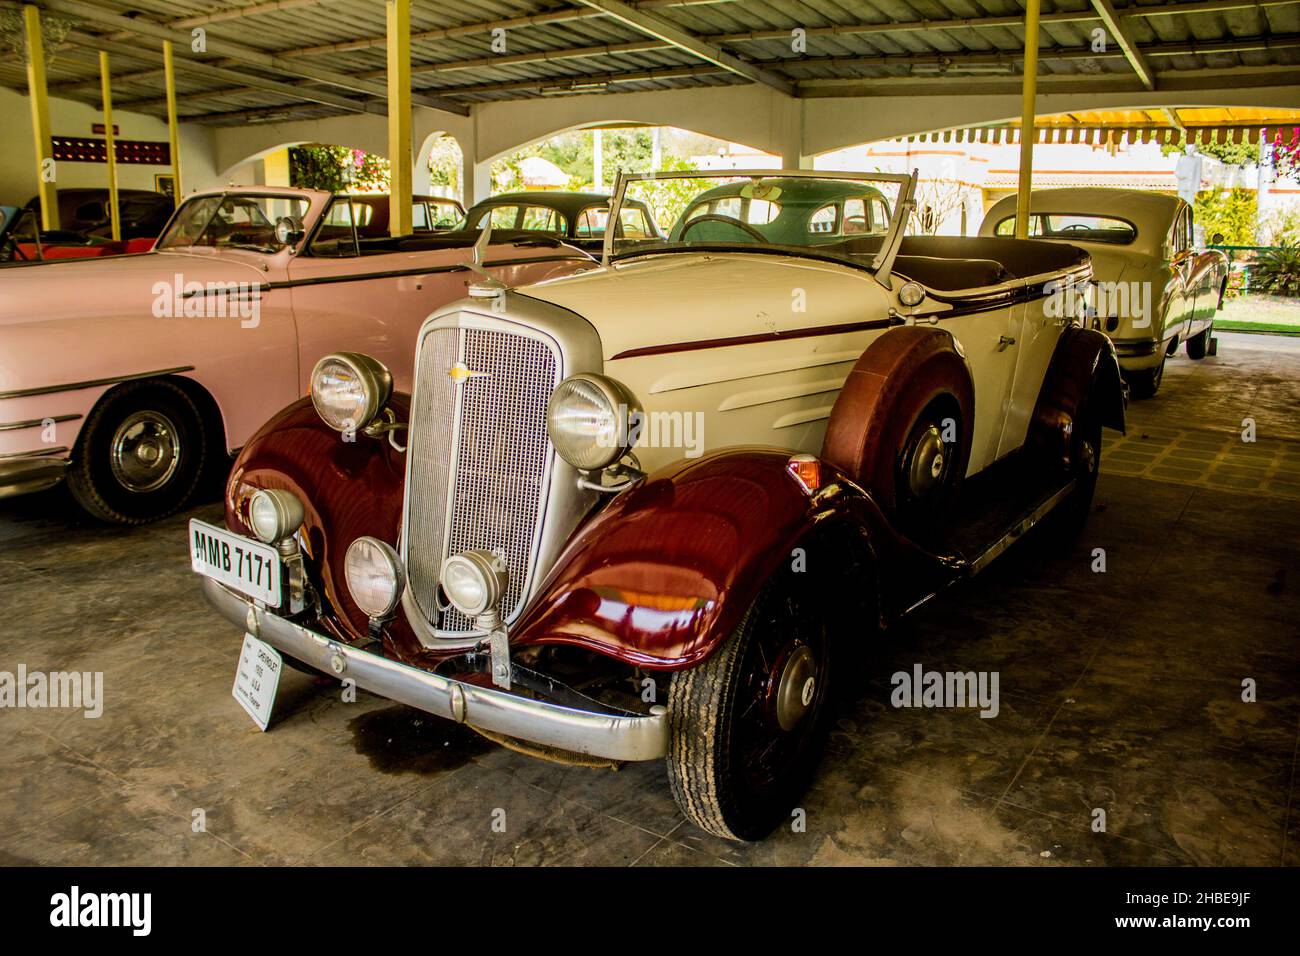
[231, 221]
[1079, 227]
[839, 216]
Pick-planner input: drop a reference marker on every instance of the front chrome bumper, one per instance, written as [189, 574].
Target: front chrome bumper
[610, 736]
[22, 474]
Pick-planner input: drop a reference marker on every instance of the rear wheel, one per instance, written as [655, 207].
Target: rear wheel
[1064, 524]
[1146, 383]
[140, 454]
[1198, 346]
[749, 724]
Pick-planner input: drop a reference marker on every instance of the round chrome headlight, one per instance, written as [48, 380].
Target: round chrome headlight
[589, 419]
[374, 575]
[349, 390]
[274, 514]
[474, 581]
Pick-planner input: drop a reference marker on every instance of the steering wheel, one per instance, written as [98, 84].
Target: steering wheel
[1076, 227]
[728, 220]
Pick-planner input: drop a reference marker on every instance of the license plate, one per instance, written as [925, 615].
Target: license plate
[249, 567]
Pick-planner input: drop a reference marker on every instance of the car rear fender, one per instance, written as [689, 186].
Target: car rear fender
[1083, 365]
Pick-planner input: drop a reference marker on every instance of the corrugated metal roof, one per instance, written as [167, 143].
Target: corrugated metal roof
[556, 47]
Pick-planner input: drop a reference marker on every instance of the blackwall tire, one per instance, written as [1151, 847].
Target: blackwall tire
[1198, 346]
[736, 770]
[140, 455]
[1065, 523]
[1146, 383]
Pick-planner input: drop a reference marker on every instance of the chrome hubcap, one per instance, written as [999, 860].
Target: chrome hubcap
[145, 451]
[926, 471]
[796, 688]
[1088, 454]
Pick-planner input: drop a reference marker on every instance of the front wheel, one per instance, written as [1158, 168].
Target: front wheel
[140, 455]
[748, 725]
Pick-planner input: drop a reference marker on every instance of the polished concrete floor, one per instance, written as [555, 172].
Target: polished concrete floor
[1120, 691]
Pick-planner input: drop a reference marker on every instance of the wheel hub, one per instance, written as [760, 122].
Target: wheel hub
[796, 688]
[1088, 457]
[145, 451]
[927, 462]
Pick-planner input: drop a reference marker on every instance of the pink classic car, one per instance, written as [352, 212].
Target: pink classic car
[128, 377]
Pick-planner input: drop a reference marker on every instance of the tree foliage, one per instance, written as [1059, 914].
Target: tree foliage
[1231, 212]
[337, 169]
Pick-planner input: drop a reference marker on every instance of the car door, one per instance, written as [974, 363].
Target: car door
[990, 341]
[1182, 260]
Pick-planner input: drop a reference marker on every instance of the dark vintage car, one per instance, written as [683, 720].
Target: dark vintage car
[84, 211]
[577, 218]
[23, 241]
[652, 509]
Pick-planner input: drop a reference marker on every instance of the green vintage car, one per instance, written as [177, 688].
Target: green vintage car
[785, 211]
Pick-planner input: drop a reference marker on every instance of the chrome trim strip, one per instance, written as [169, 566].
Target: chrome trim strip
[37, 422]
[93, 383]
[1019, 529]
[612, 736]
[35, 453]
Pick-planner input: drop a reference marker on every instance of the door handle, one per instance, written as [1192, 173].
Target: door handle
[1005, 342]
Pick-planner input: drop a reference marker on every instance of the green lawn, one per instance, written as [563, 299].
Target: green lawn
[1260, 313]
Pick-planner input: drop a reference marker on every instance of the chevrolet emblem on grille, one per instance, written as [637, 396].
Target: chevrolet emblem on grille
[460, 373]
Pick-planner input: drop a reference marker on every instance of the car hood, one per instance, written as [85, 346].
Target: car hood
[674, 298]
[107, 288]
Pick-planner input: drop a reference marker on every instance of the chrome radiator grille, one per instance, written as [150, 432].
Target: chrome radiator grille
[479, 458]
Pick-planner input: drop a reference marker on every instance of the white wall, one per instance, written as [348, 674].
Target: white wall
[18, 182]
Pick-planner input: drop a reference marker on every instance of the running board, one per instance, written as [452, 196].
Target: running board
[1018, 530]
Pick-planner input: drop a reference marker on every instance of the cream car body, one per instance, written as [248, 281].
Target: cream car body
[516, 561]
[1155, 290]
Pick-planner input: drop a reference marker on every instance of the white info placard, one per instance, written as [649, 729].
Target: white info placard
[257, 678]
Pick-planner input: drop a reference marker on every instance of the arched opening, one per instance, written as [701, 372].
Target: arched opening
[588, 158]
[440, 167]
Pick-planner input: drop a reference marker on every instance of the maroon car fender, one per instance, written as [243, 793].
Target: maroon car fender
[663, 575]
[1083, 364]
[348, 489]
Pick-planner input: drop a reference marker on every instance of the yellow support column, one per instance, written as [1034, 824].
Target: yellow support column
[1028, 134]
[41, 118]
[173, 128]
[399, 116]
[110, 148]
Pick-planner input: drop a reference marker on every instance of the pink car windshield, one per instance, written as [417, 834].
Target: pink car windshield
[231, 221]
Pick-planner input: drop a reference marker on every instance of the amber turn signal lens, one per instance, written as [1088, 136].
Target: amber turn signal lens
[806, 470]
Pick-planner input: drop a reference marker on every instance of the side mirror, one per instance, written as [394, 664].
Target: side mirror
[288, 230]
[1216, 239]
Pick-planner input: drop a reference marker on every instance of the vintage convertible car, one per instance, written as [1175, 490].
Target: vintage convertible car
[652, 510]
[22, 241]
[577, 218]
[1154, 290]
[127, 376]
